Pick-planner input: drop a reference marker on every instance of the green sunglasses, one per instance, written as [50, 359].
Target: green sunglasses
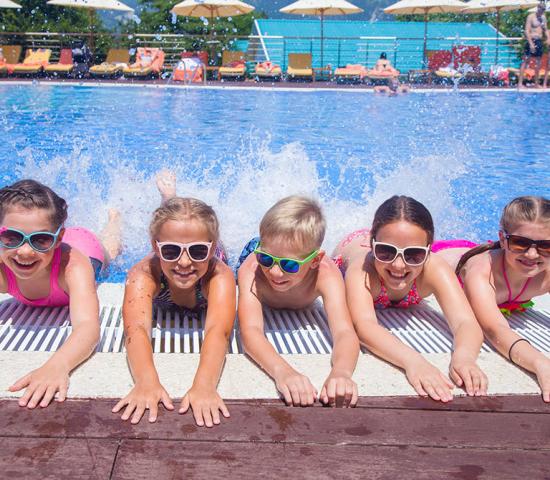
[287, 265]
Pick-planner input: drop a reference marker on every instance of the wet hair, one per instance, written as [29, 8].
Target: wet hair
[401, 208]
[297, 220]
[383, 56]
[30, 194]
[186, 209]
[520, 210]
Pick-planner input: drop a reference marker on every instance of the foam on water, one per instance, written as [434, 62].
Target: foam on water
[97, 175]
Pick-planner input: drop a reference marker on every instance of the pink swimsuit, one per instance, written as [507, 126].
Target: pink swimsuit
[77, 237]
[383, 300]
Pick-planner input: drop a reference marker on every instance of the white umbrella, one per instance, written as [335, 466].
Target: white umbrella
[497, 6]
[91, 6]
[211, 9]
[8, 4]
[425, 7]
[322, 8]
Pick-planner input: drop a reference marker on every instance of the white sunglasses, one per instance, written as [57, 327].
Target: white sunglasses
[172, 251]
[387, 253]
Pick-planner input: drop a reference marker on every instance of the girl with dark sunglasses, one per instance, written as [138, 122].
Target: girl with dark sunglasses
[501, 278]
[44, 264]
[184, 272]
[391, 266]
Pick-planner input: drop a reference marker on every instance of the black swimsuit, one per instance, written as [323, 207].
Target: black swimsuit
[164, 300]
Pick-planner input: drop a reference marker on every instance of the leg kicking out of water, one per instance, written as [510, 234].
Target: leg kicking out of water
[166, 184]
[111, 236]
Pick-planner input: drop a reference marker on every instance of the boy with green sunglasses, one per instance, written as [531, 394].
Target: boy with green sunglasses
[286, 269]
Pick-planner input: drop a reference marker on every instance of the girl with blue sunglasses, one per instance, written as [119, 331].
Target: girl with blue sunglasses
[43, 264]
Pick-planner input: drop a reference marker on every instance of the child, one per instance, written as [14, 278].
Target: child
[392, 267]
[44, 264]
[183, 271]
[289, 270]
[501, 277]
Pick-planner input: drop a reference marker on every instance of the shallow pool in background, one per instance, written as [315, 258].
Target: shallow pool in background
[464, 155]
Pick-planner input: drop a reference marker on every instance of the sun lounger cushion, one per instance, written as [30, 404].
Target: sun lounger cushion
[65, 64]
[268, 69]
[299, 72]
[233, 69]
[351, 71]
[34, 62]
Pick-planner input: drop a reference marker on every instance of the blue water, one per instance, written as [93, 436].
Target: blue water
[465, 155]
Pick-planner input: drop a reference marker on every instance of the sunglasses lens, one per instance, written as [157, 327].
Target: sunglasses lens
[264, 260]
[42, 242]
[198, 252]
[10, 239]
[289, 266]
[170, 252]
[415, 256]
[519, 244]
[544, 248]
[385, 253]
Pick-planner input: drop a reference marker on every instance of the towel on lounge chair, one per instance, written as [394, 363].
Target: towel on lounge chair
[382, 70]
[351, 72]
[34, 62]
[189, 69]
[531, 68]
[233, 64]
[299, 66]
[113, 65]
[64, 66]
[268, 70]
[149, 61]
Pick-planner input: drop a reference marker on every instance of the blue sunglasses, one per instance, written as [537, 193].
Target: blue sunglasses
[39, 241]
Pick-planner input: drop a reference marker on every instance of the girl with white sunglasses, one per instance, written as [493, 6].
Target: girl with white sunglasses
[391, 266]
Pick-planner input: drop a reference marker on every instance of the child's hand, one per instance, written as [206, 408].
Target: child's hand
[296, 388]
[427, 380]
[142, 397]
[339, 391]
[466, 373]
[206, 405]
[542, 371]
[41, 386]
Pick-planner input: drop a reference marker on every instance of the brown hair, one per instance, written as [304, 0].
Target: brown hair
[402, 208]
[30, 194]
[185, 209]
[520, 210]
[299, 220]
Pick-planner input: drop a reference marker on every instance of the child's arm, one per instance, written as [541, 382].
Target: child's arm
[295, 387]
[141, 287]
[53, 377]
[483, 299]
[468, 337]
[425, 378]
[220, 316]
[339, 389]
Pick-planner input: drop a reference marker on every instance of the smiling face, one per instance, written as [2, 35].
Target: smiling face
[398, 275]
[24, 261]
[184, 273]
[530, 263]
[278, 279]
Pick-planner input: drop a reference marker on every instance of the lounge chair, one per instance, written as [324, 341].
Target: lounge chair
[62, 68]
[268, 71]
[189, 70]
[351, 74]
[530, 69]
[10, 54]
[113, 65]
[466, 65]
[233, 65]
[299, 66]
[34, 62]
[437, 59]
[149, 62]
[382, 71]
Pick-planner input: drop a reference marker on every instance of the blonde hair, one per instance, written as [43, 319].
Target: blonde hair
[185, 209]
[520, 210]
[297, 220]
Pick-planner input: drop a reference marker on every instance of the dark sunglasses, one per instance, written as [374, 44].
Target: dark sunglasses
[387, 253]
[172, 251]
[39, 241]
[519, 244]
[287, 265]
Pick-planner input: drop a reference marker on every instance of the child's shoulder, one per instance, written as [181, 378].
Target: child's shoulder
[147, 267]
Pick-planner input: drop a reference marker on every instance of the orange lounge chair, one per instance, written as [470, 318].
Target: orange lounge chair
[11, 54]
[530, 69]
[382, 71]
[299, 66]
[268, 71]
[113, 65]
[65, 65]
[34, 62]
[189, 70]
[149, 62]
[233, 65]
[351, 73]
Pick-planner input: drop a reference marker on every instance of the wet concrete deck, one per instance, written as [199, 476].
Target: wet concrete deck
[506, 437]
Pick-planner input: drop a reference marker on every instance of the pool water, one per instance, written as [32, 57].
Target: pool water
[464, 155]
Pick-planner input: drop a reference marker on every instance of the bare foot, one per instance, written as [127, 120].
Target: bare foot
[166, 183]
[111, 235]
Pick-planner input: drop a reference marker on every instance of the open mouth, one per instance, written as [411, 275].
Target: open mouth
[24, 265]
[184, 275]
[529, 263]
[397, 276]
